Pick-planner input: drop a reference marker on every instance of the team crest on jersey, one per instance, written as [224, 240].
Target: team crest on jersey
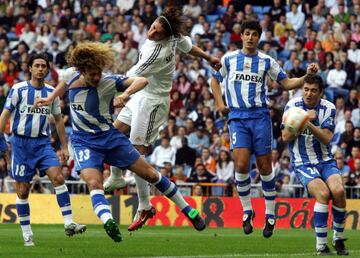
[30, 110]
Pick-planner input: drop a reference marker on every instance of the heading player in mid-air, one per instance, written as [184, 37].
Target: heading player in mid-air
[148, 110]
[314, 165]
[31, 147]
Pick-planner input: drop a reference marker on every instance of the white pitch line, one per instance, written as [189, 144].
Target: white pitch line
[246, 255]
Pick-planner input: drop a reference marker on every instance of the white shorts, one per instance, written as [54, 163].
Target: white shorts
[145, 115]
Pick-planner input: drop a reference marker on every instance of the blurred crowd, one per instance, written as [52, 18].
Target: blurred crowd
[193, 146]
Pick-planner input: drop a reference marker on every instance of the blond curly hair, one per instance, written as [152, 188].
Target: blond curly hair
[91, 54]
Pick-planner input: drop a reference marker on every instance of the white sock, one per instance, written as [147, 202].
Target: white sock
[115, 172]
[143, 191]
[245, 199]
[100, 205]
[26, 229]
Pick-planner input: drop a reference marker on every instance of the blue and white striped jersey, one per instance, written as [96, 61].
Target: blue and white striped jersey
[306, 149]
[245, 79]
[90, 106]
[26, 121]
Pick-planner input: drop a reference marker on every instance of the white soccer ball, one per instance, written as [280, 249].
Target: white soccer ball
[295, 119]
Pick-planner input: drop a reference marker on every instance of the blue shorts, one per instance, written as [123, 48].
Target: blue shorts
[307, 173]
[29, 154]
[88, 154]
[254, 134]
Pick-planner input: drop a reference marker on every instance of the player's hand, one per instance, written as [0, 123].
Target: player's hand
[312, 68]
[312, 114]
[224, 110]
[64, 154]
[120, 101]
[215, 63]
[40, 102]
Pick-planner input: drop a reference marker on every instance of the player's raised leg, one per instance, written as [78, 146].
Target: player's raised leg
[93, 178]
[63, 199]
[169, 189]
[115, 180]
[145, 210]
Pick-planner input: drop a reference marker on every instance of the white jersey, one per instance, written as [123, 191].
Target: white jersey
[306, 149]
[26, 120]
[157, 64]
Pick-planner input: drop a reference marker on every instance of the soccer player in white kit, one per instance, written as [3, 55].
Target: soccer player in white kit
[148, 109]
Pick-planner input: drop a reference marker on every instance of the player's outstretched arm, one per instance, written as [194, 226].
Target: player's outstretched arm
[58, 92]
[133, 85]
[216, 90]
[5, 115]
[294, 83]
[213, 61]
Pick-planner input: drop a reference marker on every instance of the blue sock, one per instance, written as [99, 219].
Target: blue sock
[63, 199]
[23, 210]
[339, 215]
[100, 205]
[321, 215]
[170, 190]
[268, 186]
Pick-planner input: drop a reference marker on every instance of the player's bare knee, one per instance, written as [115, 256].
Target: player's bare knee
[265, 170]
[241, 167]
[58, 180]
[23, 193]
[152, 176]
[323, 195]
[338, 193]
[94, 184]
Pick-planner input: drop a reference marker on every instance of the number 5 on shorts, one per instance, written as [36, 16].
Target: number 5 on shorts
[233, 138]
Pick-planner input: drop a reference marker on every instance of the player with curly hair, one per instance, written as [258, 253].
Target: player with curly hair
[95, 139]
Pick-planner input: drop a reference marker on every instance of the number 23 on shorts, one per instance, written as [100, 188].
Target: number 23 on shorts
[83, 155]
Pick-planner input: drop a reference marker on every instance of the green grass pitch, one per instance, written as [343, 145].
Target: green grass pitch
[163, 242]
